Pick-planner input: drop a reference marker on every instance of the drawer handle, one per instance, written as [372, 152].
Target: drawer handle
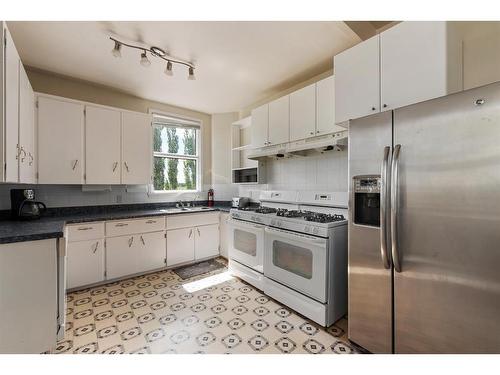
[96, 247]
[126, 166]
[115, 164]
[121, 225]
[130, 241]
[150, 221]
[74, 164]
[142, 240]
[85, 228]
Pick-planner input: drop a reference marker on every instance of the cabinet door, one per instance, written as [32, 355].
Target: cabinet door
[122, 256]
[180, 246]
[27, 170]
[153, 251]
[260, 124]
[357, 81]
[136, 148]
[60, 141]
[11, 142]
[325, 107]
[303, 113]
[418, 61]
[206, 241]
[85, 263]
[279, 120]
[102, 145]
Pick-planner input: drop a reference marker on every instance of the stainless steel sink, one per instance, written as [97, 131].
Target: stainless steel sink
[184, 209]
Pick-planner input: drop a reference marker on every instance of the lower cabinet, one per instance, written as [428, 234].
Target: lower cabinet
[127, 255]
[85, 263]
[180, 246]
[206, 243]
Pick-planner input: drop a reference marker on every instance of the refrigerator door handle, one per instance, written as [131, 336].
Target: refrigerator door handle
[394, 208]
[384, 173]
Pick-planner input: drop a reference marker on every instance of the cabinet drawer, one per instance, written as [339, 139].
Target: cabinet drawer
[143, 225]
[85, 231]
[192, 220]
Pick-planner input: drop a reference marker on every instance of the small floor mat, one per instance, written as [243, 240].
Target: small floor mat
[194, 270]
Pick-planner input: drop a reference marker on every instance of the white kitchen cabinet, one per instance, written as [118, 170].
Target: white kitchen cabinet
[60, 141]
[28, 297]
[357, 81]
[325, 107]
[153, 251]
[27, 162]
[260, 126]
[206, 241]
[85, 262]
[419, 61]
[11, 108]
[102, 145]
[303, 113]
[135, 253]
[136, 148]
[224, 234]
[279, 120]
[180, 246]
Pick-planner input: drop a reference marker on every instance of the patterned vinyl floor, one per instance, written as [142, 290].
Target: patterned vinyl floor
[212, 313]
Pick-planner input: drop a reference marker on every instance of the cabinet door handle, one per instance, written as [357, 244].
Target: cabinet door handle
[85, 228]
[142, 240]
[190, 233]
[96, 247]
[74, 164]
[24, 154]
[115, 164]
[311, 133]
[31, 159]
[17, 151]
[121, 225]
[199, 234]
[130, 241]
[126, 166]
[373, 108]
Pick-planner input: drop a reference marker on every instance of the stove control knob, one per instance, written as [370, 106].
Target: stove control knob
[273, 222]
[279, 224]
[315, 230]
[307, 229]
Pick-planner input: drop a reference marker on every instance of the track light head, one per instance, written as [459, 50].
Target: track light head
[168, 69]
[144, 60]
[191, 76]
[117, 49]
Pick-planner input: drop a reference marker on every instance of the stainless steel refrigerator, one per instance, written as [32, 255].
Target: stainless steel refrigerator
[424, 226]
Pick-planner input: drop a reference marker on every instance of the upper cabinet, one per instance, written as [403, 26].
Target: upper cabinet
[279, 120]
[60, 141]
[325, 107]
[102, 145]
[260, 125]
[17, 131]
[406, 64]
[136, 148]
[357, 81]
[303, 113]
[419, 61]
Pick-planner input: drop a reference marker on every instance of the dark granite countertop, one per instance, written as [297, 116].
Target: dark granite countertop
[52, 224]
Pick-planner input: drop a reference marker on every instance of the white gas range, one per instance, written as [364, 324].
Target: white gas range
[294, 248]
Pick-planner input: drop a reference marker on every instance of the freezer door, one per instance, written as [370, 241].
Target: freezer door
[447, 295]
[370, 283]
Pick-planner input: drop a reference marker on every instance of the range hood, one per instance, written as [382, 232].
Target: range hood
[321, 144]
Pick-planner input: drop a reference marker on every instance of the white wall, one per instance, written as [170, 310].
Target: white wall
[327, 172]
[221, 155]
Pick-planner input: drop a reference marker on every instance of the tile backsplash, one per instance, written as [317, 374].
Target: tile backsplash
[327, 171]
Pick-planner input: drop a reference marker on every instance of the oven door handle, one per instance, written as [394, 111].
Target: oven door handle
[245, 225]
[296, 236]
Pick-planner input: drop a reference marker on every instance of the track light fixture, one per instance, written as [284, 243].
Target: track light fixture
[156, 52]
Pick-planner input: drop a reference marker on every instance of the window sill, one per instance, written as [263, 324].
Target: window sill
[173, 192]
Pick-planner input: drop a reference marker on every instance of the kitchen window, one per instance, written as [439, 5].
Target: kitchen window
[176, 154]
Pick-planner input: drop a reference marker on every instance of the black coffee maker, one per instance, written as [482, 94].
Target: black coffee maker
[23, 204]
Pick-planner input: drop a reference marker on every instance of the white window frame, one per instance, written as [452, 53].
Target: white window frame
[194, 122]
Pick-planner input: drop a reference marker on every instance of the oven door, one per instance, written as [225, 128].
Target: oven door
[298, 261]
[246, 243]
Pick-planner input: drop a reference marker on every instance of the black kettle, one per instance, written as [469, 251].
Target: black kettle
[24, 206]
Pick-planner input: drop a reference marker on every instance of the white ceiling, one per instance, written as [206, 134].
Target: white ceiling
[238, 63]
